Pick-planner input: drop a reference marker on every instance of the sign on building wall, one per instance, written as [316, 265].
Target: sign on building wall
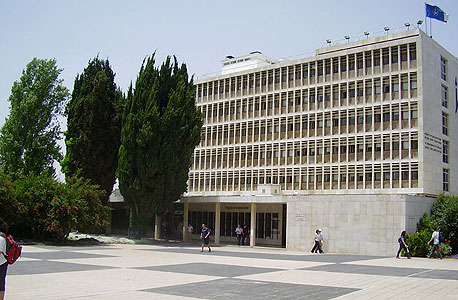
[178, 208]
[433, 143]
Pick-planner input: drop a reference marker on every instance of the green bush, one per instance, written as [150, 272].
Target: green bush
[45, 209]
[426, 223]
[418, 243]
[91, 214]
[445, 214]
[446, 247]
[7, 199]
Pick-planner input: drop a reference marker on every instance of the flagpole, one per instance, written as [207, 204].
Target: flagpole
[426, 23]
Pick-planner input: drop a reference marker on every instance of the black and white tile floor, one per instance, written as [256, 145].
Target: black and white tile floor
[158, 272]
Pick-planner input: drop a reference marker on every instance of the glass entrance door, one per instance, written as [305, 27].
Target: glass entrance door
[267, 226]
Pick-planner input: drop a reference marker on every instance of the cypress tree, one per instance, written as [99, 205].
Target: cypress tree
[161, 127]
[94, 126]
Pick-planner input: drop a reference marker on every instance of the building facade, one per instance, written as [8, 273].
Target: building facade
[356, 140]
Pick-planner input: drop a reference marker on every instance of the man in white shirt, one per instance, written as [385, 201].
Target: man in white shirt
[318, 242]
[239, 233]
[435, 238]
[190, 229]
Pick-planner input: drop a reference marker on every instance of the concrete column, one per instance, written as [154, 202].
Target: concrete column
[253, 225]
[217, 222]
[185, 221]
[157, 227]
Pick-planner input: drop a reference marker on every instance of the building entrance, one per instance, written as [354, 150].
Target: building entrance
[268, 229]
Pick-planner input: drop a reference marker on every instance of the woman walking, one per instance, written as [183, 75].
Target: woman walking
[403, 245]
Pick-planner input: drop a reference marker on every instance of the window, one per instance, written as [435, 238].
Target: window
[404, 86]
[443, 68]
[404, 115]
[378, 176]
[405, 175]
[445, 178]
[445, 151]
[444, 123]
[386, 176]
[405, 145]
[444, 96]
[413, 51]
[377, 87]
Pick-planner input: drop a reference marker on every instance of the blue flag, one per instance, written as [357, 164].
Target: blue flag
[435, 12]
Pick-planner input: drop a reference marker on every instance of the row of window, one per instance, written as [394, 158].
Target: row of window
[338, 95]
[365, 63]
[357, 120]
[389, 175]
[355, 148]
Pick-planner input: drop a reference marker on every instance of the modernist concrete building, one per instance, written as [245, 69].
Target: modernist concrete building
[356, 140]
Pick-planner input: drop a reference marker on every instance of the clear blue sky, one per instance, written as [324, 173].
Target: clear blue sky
[200, 33]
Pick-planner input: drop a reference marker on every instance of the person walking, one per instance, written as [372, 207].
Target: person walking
[189, 230]
[403, 245]
[318, 242]
[246, 235]
[239, 233]
[3, 261]
[435, 238]
[205, 237]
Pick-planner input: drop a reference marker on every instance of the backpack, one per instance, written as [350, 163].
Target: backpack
[13, 249]
[441, 238]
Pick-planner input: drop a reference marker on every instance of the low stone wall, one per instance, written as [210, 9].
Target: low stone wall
[353, 224]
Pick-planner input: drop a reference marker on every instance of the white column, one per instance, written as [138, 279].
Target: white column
[253, 225]
[157, 227]
[185, 220]
[217, 222]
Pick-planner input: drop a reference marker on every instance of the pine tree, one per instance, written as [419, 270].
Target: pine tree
[94, 126]
[161, 127]
[28, 139]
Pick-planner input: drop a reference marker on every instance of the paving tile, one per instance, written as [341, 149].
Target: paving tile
[325, 258]
[61, 255]
[368, 270]
[44, 267]
[232, 288]
[210, 269]
[438, 274]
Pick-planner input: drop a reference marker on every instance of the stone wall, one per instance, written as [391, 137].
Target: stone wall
[353, 224]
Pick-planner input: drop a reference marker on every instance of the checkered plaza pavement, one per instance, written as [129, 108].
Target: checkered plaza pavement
[228, 272]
